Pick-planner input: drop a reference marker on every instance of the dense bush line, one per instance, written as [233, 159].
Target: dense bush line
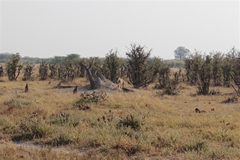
[138, 68]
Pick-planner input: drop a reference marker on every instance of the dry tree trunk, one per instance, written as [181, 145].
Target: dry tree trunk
[89, 74]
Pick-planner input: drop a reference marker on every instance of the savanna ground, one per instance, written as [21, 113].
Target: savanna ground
[46, 123]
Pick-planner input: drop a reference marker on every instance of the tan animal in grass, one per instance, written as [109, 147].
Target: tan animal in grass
[120, 85]
[120, 82]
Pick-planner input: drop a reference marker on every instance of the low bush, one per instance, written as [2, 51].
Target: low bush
[64, 119]
[62, 139]
[33, 127]
[131, 121]
[172, 88]
[233, 99]
[88, 98]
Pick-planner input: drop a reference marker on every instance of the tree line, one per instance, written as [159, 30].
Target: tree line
[138, 68]
[215, 69]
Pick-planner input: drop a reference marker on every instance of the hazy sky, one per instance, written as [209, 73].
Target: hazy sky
[50, 28]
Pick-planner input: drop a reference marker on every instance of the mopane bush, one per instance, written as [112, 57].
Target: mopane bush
[199, 71]
[233, 99]
[217, 70]
[28, 71]
[53, 67]
[236, 73]
[1, 71]
[111, 66]
[67, 71]
[228, 67]
[88, 98]
[163, 71]
[192, 65]
[205, 73]
[43, 70]
[13, 67]
[81, 70]
[137, 66]
[172, 88]
[227, 71]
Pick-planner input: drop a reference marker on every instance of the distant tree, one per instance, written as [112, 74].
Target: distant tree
[59, 59]
[4, 57]
[73, 57]
[176, 63]
[13, 67]
[28, 60]
[181, 52]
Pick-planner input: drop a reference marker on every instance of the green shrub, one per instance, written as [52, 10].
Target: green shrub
[172, 88]
[233, 99]
[196, 146]
[88, 98]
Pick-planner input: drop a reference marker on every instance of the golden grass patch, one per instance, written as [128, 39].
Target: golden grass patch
[135, 124]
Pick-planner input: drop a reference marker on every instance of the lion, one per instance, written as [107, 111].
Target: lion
[120, 82]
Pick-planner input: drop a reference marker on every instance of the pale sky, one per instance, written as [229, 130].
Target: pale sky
[51, 28]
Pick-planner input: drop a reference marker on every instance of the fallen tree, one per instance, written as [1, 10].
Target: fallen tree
[100, 82]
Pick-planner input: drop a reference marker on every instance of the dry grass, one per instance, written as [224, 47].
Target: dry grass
[138, 125]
